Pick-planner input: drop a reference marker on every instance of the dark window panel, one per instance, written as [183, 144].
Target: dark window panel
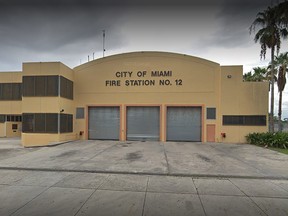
[79, 113]
[28, 123]
[63, 123]
[16, 91]
[70, 123]
[40, 122]
[66, 88]
[1, 91]
[7, 91]
[40, 86]
[14, 126]
[66, 123]
[28, 86]
[211, 113]
[2, 118]
[52, 84]
[51, 123]
[253, 120]
[63, 87]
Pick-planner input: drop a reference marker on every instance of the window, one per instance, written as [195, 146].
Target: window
[40, 86]
[66, 123]
[47, 123]
[28, 122]
[2, 118]
[10, 118]
[66, 88]
[79, 113]
[28, 86]
[16, 91]
[10, 91]
[14, 126]
[6, 91]
[211, 113]
[47, 86]
[252, 120]
[51, 123]
[52, 83]
[40, 123]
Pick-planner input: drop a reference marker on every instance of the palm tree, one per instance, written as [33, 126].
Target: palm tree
[247, 77]
[281, 62]
[283, 10]
[269, 36]
[258, 75]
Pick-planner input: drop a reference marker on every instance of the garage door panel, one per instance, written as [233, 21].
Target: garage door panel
[143, 123]
[184, 124]
[104, 123]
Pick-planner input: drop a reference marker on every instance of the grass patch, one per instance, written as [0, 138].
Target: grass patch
[284, 151]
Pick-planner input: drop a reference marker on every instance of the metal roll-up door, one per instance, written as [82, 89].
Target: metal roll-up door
[184, 124]
[104, 123]
[143, 123]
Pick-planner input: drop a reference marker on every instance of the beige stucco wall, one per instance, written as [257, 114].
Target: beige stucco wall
[242, 98]
[13, 133]
[200, 83]
[2, 130]
[10, 107]
[204, 83]
[47, 104]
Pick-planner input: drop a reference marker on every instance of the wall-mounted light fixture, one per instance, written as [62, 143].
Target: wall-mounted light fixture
[229, 76]
[62, 110]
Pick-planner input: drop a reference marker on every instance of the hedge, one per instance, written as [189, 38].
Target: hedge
[277, 140]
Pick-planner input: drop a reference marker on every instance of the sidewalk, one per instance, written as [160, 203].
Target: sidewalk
[35, 193]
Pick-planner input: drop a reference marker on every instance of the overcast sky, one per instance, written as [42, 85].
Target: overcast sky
[70, 30]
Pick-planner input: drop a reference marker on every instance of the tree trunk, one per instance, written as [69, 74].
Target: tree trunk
[272, 91]
[280, 112]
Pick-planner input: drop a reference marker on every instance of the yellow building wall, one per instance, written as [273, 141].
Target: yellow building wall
[10, 107]
[242, 98]
[47, 104]
[13, 133]
[2, 130]
[200, 84]
[192, 82]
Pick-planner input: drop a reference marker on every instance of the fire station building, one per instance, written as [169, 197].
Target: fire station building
[138, 96]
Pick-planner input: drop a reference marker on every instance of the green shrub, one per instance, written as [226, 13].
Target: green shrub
[277, 140]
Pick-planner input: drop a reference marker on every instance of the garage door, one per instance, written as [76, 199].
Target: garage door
[184, 124]
[143, 123]
[104, 123]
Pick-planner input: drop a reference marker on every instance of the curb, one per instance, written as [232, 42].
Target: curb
[219, 176]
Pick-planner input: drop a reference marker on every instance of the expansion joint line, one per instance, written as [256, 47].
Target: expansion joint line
[166, 158]
[249, 198]
[144, 203]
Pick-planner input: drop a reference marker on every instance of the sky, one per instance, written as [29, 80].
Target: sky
[70, 30]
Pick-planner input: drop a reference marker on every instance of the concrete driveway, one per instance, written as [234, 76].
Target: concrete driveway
[171, 158]
[142, 178]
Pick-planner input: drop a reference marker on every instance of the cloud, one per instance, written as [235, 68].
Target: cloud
[71, 29]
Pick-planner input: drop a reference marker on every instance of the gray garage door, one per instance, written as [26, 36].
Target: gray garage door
[184, 124]
[104, 123]
[143, 123]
